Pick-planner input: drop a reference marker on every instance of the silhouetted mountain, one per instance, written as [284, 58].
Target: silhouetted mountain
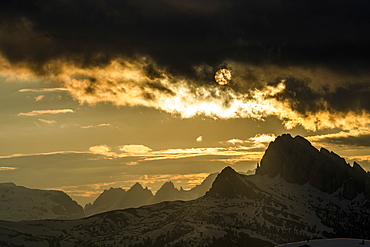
[167, 192]
[106, 201]
[20, 203]
[297, 161]
[229, 184]
[137, 196]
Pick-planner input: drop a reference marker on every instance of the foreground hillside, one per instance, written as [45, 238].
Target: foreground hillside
[330, 243]
[260, 210]
[20, 203]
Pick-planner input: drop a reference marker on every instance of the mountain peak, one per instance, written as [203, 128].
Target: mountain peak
[297, 161]
[230, 184]
[290, 157]
[167, 187]
[136, 186]
[169, 183]
[166, 192]
[228, 169]
[138, 190]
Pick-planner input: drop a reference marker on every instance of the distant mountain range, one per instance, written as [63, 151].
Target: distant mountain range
[19, 203]
[298, 193]
[136, 196]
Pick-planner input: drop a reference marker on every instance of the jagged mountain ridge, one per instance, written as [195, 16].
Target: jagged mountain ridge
[136, 196]
[20, 203]
[258, 210]
[297, 161]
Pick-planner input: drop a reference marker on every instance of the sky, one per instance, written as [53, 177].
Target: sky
[103, 93]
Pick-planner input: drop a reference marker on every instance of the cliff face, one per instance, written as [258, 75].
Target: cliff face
[297, 161]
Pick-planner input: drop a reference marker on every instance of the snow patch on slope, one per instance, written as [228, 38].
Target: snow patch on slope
[20, 203]
[341, 242]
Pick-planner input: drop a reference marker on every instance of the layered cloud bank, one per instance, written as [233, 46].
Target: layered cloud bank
[307, 63]
[291, 100]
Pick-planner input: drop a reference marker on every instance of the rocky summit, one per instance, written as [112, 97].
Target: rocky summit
[297, 161]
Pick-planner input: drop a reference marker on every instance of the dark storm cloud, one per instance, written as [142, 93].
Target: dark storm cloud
[345, 98]
[180, 34]
[363, 140]
[358, 137]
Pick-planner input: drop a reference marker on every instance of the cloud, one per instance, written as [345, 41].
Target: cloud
[102, 150]
[235, 141]
[47, 121]
[127, 83]
[40, 112]
[41, 90]
[200, 139]
[131, 163]
[262, 139]
[4, 168]
[142, 153]
[302, 63]
[94, 126]
[356, 137]
[181, 98]
[358, 158]
[39, 97]
[235, 157]
[283, 33]
[86, 127]
[258, 141]
[104, 125]
[140, 149]
[39, 154]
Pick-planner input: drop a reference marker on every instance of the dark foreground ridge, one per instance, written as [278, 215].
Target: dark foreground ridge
[297, 161]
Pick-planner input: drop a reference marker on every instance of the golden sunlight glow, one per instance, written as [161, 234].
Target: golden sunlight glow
[6, 168]
[135, 149]
[40, 112]
[223, 76]
[126, 83]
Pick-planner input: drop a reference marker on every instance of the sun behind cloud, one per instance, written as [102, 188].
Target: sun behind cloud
[223, 76]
